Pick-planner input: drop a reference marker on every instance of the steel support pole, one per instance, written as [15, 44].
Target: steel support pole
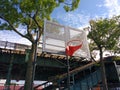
[68, 72]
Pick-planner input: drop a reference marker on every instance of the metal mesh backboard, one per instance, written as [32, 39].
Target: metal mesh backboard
[56, 37]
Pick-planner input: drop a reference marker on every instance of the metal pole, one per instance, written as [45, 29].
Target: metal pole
[7, 84]
[34, 62]
[68, 72]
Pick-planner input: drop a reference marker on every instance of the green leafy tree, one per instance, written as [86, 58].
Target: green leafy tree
[104, 33]
[26, 17]
[116, 48]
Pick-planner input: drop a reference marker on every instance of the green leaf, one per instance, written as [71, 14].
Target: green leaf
[67, 8]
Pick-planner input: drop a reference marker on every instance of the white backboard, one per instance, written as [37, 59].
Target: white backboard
[56, 36]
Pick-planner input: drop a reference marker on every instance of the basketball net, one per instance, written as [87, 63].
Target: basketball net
[70, 50]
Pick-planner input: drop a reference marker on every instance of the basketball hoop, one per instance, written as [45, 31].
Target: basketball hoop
[73, 46]
[57, 43]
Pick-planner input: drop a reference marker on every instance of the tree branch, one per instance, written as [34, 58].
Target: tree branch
[40, 28]
[13, 27]
[34, 18]
[28, 30]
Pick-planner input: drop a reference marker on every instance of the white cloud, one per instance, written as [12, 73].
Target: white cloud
[113, 7]
[11, 36]
[74, 19]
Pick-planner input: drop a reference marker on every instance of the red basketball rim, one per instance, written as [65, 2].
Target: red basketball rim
[68, 43]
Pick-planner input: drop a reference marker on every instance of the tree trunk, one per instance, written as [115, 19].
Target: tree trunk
[30, 67]
[103, 74]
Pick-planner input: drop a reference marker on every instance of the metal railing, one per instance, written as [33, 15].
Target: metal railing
[16, 46]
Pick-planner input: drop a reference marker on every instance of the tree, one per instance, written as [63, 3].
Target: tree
[104, 33]
[116, 48]
[26, 18]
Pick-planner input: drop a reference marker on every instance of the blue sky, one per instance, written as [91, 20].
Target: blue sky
[87, 10]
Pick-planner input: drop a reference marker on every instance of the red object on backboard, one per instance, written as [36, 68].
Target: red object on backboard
[71, 49]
